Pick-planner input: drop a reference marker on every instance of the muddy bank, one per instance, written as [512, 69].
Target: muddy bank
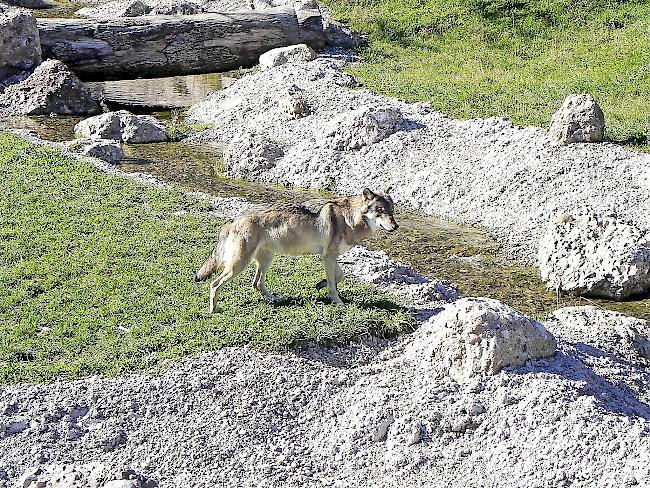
[510, 179]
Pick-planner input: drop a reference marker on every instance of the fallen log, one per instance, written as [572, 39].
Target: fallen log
[156, 45]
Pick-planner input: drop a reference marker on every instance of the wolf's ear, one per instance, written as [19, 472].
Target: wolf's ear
[368, 194]
[388, 189]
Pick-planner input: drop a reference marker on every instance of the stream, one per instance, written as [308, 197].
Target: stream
[464, 255]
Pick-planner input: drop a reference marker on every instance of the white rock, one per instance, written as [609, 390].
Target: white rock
[481, 336]
[249, 154]
[104, 149]
[595, 255]
[298, 53]
[121, 484]
[361, 127]
[293, 104]
[611, 332]
[579, 119]
[20, 44]
[122, 126]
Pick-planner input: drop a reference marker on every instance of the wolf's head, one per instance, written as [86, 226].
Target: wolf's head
[379, 210]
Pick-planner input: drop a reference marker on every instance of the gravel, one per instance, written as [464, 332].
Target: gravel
[237, 417]
[510, 179]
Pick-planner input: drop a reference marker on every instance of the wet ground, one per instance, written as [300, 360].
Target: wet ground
[464, 255]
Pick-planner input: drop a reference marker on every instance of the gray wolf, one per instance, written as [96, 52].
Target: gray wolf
[319, 226]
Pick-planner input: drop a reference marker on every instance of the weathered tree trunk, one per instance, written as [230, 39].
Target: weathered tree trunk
[152, 46]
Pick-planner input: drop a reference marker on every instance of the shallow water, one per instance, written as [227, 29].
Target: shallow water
[173, 92]
[464, 255]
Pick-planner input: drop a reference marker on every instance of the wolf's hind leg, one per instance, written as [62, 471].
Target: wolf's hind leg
[263, 260]
[332, 271]
[233, 267]
[323, 283]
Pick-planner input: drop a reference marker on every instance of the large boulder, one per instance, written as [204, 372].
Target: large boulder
[595, 255]
[51, 89]
[249, 155]
[20, 45]
[610, 332]
[122, 126]
[579, 119]
[298, 53]
[481, 336]
[361, 127]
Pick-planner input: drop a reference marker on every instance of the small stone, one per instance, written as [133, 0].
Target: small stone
[414, 435]
[104, 149]
[474, 409]
[460, 425]
[379, 435]
[121, 484]
[293, 103]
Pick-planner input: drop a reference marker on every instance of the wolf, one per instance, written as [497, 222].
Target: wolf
[327, 227]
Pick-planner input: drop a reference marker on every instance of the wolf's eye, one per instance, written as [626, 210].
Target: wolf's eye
[380, 209]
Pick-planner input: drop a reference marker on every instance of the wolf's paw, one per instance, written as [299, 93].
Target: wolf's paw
[215, 309]
[276, 300]
[337, 301]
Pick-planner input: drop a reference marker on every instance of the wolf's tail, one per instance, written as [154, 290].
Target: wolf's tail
[215, 261]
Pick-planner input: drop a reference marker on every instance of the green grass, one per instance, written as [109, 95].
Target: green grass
[96, 276]
[513, 58]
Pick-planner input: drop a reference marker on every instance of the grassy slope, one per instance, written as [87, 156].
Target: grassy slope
[96, 277]
[515, 58]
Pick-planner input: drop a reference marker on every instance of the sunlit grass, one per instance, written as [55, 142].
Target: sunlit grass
[96, 276]
[482, 58]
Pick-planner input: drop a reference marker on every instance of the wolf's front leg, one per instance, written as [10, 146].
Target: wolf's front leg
[334, 274]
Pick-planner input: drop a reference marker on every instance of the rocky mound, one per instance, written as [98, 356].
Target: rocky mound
[611, 333]
[509, 179]
[242, 418]
[51, 89]
[595, 255]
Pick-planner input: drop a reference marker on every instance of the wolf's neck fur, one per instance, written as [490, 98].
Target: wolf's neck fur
[353, 214]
